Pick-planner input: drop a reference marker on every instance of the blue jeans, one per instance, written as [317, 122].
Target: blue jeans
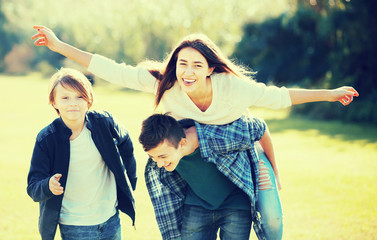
[268, 204]
[202, 224]
[109, 230]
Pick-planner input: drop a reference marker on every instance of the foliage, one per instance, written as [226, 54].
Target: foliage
[134, 30]
[7, 39]
[319, 46]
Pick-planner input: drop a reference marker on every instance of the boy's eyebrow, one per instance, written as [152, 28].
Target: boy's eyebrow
[164, 154]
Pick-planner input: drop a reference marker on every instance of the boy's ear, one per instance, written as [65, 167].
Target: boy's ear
[183, 142]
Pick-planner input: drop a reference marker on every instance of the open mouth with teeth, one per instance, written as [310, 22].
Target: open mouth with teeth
[188, 82]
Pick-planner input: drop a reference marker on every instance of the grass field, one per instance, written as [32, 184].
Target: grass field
[328, 169]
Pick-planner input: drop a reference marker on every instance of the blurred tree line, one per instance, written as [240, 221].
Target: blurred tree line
[324, 44]
[125, 30]
[304, 43]
[7, 38]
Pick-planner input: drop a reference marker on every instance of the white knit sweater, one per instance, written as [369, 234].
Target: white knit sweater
[231, 95]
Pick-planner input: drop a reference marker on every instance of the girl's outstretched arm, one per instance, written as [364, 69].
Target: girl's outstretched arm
[46, 37]
[343, 94]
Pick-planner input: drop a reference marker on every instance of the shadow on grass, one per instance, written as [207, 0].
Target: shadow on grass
[335, 129]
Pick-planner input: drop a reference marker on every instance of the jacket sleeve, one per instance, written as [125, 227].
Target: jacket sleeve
[39, 175]
[126, 151]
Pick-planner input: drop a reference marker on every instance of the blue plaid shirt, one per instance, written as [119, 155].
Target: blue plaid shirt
[231, 148]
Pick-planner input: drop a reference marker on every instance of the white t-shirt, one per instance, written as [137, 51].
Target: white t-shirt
[232, 96]
[90, 196]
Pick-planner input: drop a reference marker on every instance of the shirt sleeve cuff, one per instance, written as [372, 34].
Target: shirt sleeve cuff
[286, 98]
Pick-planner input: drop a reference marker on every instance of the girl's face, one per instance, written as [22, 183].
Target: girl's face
[192, 70]
[72, 107]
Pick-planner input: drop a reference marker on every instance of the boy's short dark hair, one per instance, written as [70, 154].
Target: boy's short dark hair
[158, 127]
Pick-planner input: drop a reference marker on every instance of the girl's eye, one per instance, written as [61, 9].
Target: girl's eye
[198, 66]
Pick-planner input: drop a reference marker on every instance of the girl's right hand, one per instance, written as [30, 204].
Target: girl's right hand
[46, 37]
[54, 184]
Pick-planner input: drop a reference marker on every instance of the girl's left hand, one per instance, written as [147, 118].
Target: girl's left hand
[344, 95]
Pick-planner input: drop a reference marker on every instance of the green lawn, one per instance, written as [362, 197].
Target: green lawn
[328, 169]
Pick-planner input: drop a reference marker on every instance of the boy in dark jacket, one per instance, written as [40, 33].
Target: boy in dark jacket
[79, 166]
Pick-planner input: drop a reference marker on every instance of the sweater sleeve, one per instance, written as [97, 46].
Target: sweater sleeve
[137, 78]
[250, 93]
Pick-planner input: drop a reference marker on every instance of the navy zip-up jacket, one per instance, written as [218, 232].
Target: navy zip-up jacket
[51, 155]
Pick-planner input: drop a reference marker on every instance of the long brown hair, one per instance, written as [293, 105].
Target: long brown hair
[209, 50]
